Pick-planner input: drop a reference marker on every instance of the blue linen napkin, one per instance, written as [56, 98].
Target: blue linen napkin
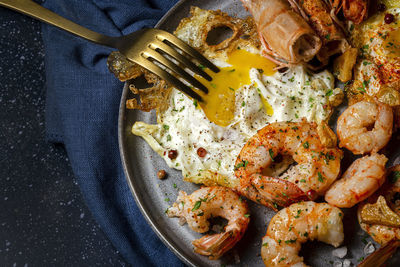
[82, 111]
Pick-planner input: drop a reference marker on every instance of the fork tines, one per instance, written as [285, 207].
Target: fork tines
[166, 52]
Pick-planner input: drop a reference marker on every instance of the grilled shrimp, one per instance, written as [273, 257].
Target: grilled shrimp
[296, 224]
[209, 202]
[364, 176]
[353, 123]
[391, 192]
[318, 163]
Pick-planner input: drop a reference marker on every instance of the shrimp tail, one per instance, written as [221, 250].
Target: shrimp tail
[216, 245]
[280, 192]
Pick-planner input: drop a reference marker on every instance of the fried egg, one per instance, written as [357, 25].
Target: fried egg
[204, 139]
[377, 73]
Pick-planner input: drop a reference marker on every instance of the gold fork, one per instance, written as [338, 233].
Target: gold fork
[147, 48]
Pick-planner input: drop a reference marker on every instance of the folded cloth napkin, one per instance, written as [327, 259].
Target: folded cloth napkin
[82, 112]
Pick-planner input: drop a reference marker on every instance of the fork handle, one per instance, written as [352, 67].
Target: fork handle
[36, 11]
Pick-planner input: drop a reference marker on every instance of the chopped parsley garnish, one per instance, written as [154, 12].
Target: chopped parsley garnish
[166, 127]
[320, 177]
[329, 93]
[197, 205]
[271, 154]
[195, 103]
[306, 145]
[247, 215]
[241, 164]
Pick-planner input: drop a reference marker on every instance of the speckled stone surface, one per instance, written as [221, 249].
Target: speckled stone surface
[43, 219]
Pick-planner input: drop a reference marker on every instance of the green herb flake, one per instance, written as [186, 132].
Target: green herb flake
[197, 205]
[306, 144]
[195, 103]
[320, 177]
[329, 93]
[271, 154]
[166, 127]
[247, 215]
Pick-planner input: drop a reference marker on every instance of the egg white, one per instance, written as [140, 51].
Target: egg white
[185, 128]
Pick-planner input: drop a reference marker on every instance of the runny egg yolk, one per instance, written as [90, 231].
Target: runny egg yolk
[219, 103]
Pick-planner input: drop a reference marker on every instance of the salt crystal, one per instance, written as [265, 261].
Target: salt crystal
[340, 252]
[346, 263]
[369, 248]
[337, 263]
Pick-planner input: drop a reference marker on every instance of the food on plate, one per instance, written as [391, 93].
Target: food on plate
[261, 96]
[377, 75]
[317, 13]
[344, 64]
[383, 229]
[355, 123]
[206, 203]
[286, 36]
[379, 216]
[262, 130]
[155, 92]
[354, 10]
[297, 224]
[317, 165]
[380, 256]
[379, 213]
[364, 176]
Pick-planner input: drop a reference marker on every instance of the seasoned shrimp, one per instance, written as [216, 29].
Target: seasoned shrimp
[353, 123]
[314, 151]
[383, 232]
[364, 176]
[208, 202]
[296, 224]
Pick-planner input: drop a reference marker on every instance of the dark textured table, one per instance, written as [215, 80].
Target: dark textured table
[43, 219]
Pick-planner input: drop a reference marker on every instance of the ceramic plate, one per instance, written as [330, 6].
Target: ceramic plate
[153, 196]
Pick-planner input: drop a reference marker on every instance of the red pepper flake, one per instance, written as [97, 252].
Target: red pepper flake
[172, 154]
[201, 152]
[389, 18]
